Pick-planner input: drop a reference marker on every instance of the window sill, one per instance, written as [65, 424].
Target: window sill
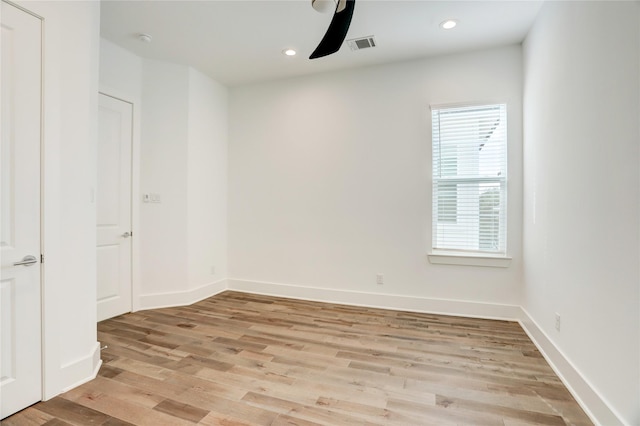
[444, 258]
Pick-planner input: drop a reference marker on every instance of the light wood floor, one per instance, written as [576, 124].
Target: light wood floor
[237, 359]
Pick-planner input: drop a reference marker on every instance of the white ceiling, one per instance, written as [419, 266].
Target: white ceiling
[238, 42]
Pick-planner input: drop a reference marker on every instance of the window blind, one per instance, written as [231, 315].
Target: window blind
[470, 178]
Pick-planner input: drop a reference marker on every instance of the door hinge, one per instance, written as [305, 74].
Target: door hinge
[42, 258]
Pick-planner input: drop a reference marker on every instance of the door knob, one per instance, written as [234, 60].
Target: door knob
[26, 261]
[126, 234]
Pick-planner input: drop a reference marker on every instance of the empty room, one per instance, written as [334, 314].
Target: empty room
[327, 212]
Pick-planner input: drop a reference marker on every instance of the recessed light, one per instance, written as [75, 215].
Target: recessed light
[145, 38]
[289, 52]
[448, 24]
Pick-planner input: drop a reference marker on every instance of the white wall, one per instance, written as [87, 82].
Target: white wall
[183, 158]
[180, 244]
[207, 181]
[581, 192]
[163, 227]
[120, 71]
[71, 44]
[329, 178]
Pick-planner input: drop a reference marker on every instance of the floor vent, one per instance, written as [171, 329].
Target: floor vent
[362, 43]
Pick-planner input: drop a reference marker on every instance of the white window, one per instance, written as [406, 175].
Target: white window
[470, 179]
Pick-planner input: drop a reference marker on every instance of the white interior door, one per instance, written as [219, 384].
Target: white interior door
[20, 321]
[113, 205]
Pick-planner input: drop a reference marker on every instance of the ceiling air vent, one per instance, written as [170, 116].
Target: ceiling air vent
[362, 43]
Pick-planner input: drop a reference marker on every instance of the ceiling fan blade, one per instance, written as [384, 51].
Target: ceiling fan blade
[337, 31]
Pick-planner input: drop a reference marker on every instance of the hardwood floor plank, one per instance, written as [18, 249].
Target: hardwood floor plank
[427, 414]
[286, 420]
[240, 359]
[499, 410]
[72, 412]
[305, 414]
[372, 414]
[29, 417]
[116, 422]
[121, 409]
[58, 422]
[217, 419]
[181, 410]
[200, 397]
[120, 391]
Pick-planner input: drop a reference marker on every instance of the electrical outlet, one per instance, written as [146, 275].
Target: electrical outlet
[146, 198]
[557, 321]
[379, 279]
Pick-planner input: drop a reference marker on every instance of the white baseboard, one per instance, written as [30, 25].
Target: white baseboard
[181, 298]
[592, 402]
[380, 300]
[82, 370]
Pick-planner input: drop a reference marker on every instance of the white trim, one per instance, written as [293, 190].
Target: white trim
[81, 371]
[181, 298]
[380, 300]
[464, 104]
[469, 260]
[596, 406]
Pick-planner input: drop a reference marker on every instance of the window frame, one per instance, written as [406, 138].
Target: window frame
[457, 256]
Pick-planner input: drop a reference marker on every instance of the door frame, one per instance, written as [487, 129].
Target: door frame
[134, 100]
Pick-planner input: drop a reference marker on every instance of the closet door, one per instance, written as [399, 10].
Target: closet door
[20, 286]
